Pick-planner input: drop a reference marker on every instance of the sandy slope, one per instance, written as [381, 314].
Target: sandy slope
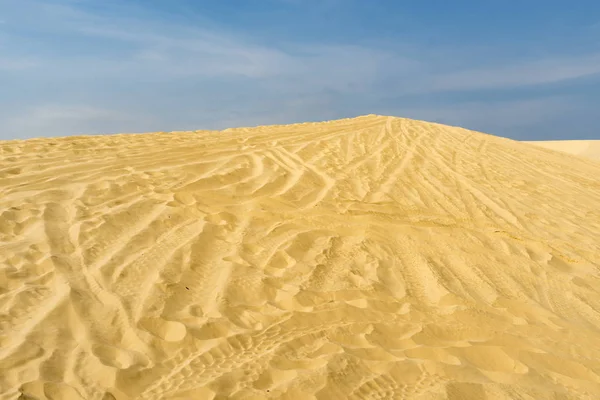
[584, 148]
[367, 258]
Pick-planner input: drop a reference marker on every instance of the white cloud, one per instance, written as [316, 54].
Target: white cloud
[16, 64]
[64, 120]
[495, 116]
[210, 77]
[518, 74]
[173, 50]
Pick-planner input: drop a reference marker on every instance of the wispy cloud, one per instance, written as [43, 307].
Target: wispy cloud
[54, 120]
[16, 64]
[190, 51]
[547, 118]
[518, 74]
[494, 113]
[193, 52]
[192, 76]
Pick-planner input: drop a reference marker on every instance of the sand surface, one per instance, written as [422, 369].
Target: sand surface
[583, 148]
[367, 258]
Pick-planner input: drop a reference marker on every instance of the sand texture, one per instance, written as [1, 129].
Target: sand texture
[584, 148]
[366, 258]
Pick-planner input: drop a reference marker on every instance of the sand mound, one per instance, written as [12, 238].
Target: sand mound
[583, 148]
[367, 258]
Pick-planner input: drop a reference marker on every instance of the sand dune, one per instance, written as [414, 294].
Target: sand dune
[583, 148]
[366, 258]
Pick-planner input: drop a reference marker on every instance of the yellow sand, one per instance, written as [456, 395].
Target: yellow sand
[367, 258]
[584, 148]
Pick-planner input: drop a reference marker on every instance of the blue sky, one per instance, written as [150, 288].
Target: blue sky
[528, 70]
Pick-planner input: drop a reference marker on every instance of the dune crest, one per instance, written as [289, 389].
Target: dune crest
[366, 258]
[583, 148]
